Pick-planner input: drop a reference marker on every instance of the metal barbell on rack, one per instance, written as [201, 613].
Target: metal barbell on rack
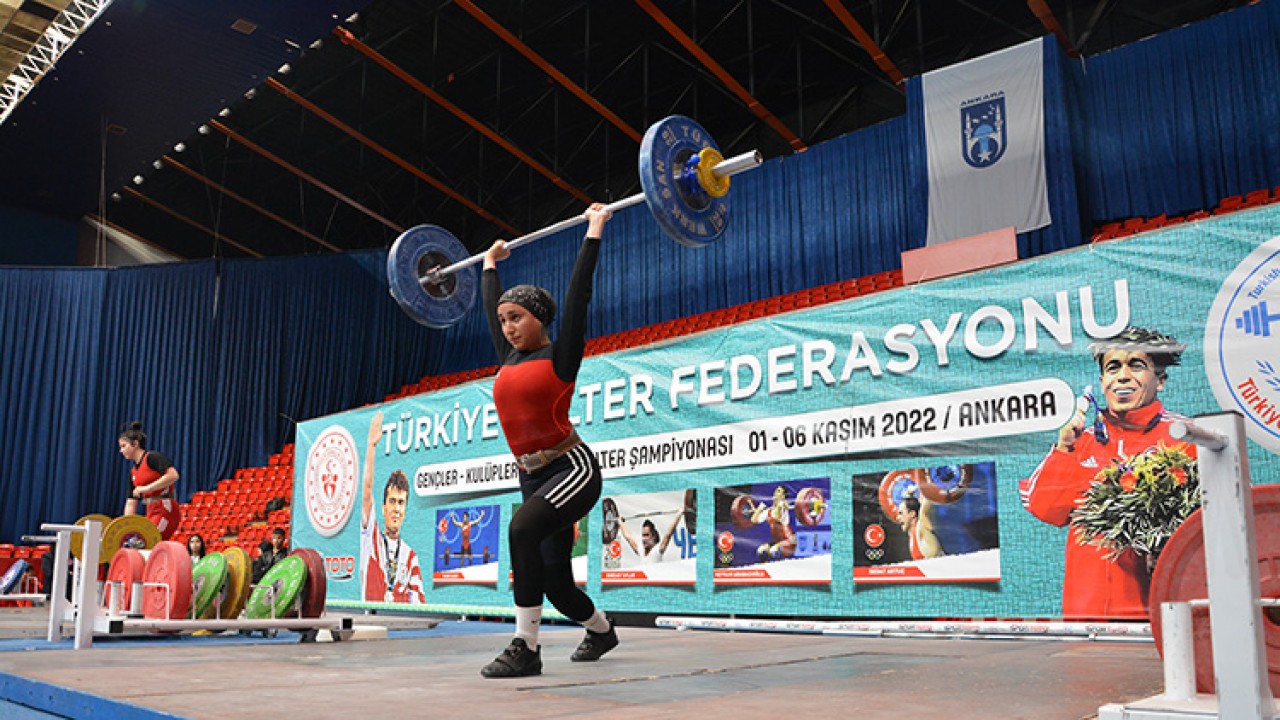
[685, 183]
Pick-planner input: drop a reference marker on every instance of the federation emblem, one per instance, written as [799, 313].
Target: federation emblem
[330, 484]
[1242, 343]
[982, 130]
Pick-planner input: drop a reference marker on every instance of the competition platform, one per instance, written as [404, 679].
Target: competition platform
[656, 672]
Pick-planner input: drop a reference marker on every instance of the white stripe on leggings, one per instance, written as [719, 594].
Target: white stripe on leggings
[574, 482]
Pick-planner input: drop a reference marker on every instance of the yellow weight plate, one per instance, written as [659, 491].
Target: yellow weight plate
[131, 531]
[714, 186]
[77, 539]
[239, 577]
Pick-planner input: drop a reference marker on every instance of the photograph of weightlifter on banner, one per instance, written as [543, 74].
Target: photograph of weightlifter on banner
[926, 524]
[578, 555]
[649, 539]
[1119, 475]
[773, 533]
[389, 569]
[467, 545]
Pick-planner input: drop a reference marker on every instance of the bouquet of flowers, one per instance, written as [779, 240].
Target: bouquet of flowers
[1138, 502]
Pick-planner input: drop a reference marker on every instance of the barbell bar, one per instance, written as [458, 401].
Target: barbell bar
[685, 183]
[723, 169]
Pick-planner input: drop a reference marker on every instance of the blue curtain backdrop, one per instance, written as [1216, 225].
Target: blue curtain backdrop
[1177, 122]
[213, 359]
[219, 358]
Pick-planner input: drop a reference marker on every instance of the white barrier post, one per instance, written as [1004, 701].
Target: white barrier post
[1179, 651]
[1231, 565]
[87, 595]
[58, 590]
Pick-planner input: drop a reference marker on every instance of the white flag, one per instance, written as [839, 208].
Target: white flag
[984, 132]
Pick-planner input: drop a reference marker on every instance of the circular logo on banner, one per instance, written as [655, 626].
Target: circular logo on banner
[725, 541]
[1241, 340]
[330, 483]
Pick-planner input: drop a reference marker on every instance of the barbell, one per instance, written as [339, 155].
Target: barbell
[685, 183]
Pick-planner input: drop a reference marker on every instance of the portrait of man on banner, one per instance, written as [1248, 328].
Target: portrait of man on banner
[1087, 480]
[389, 569]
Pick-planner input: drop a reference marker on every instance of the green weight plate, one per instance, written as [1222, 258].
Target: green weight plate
[208, 576]
[278, 589]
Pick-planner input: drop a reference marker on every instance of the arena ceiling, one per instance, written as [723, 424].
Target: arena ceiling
[241, 128]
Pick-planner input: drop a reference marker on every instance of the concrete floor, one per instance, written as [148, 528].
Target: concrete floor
[655, 673]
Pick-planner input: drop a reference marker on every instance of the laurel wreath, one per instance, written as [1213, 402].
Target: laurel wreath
[1137, 503]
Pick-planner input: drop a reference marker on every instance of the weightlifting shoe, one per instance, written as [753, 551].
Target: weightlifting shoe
[516, 661]
[595, 645]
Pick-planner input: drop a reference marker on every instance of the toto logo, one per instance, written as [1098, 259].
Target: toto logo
[330, 484]
[340, 568]
[1241, 356]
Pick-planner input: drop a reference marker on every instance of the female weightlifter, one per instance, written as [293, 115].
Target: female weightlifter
[153, 476]
[559, 476]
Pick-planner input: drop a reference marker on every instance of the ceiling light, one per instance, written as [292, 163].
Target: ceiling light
[157, 165]
[115, 197]
[137, 179]
[317, 45]
[285, 69]
[180, 147]
[203, 129]
[250, 94]
[224, 112]
[353, 17]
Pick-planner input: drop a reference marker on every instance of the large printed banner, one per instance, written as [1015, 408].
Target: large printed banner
[935, 445]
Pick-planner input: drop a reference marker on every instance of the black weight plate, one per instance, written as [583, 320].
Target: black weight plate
[685, 212]
[412, 256]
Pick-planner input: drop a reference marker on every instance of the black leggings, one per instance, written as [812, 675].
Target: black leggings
[541, 533]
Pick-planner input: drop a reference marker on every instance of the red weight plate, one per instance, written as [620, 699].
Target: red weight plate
[740, 511]
[315, 588]
[810, 506]
[127, 567]
[950, 490]
[1180, 575]
[891, 492]
[170, 565]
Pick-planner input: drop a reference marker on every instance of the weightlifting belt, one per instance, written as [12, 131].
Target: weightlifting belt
[533, 462]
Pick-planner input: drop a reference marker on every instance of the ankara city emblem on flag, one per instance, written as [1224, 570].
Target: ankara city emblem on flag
[982, 126]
